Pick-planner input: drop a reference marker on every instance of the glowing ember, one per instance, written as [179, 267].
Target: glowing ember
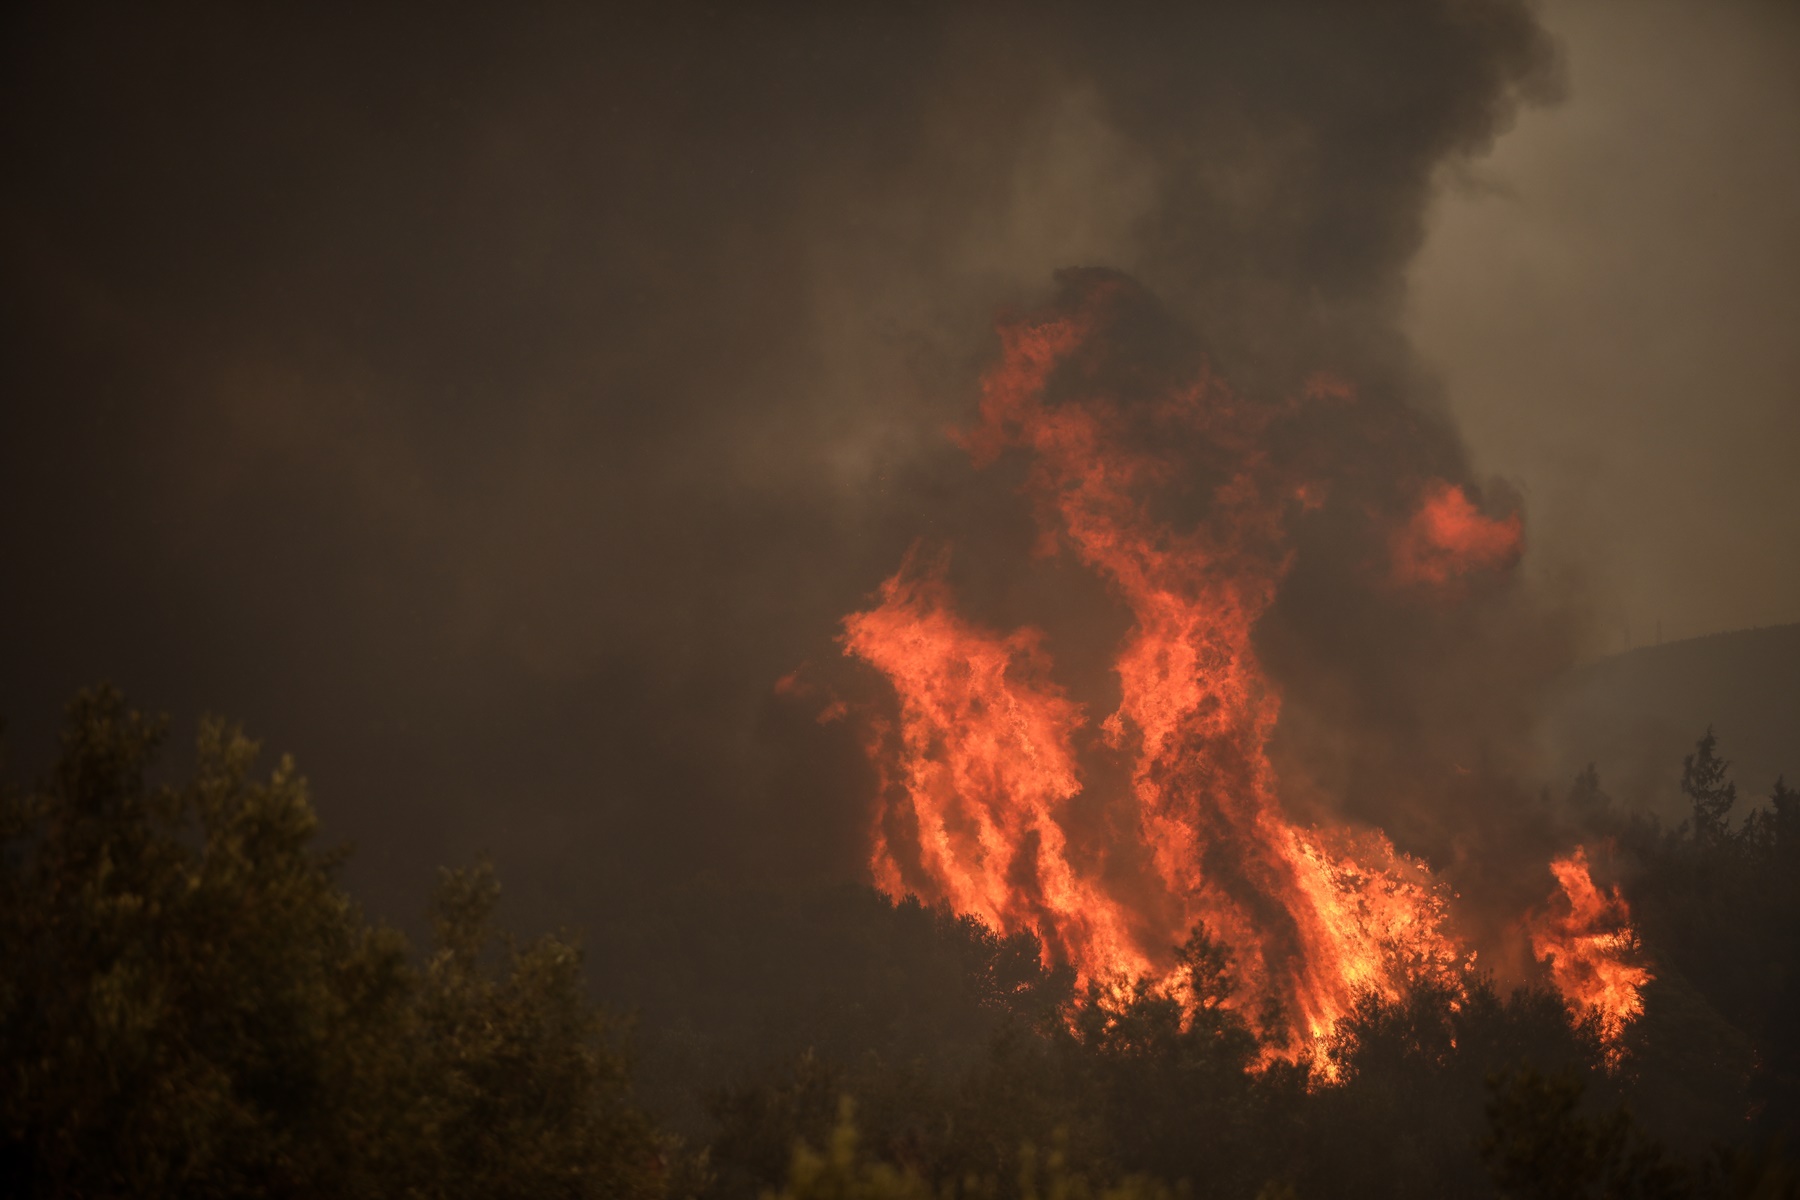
[979, 773]
[1449, 538]
[1588, 942]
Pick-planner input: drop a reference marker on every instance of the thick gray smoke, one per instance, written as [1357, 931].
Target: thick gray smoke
[489, 408]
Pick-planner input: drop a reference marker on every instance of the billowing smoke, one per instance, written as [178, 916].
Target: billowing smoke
[492, 407]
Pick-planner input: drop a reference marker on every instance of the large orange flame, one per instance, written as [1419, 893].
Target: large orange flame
[991, 776]
[985, 759]
[982, 766]
[1586, 939]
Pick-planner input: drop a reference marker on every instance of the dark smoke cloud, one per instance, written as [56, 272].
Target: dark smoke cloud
[490, 407]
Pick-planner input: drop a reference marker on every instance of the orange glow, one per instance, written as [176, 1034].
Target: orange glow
[984, 761]
[1588, 943]
[980, 771]
[1448, 538]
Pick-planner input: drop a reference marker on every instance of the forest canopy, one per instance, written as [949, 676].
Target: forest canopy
[194, 1006]
[191, 1005]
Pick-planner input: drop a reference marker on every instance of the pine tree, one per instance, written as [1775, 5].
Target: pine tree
[1784, 804]
[1705, 781]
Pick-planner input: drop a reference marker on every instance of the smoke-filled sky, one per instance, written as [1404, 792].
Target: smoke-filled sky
[1612, 297]
[488, 408]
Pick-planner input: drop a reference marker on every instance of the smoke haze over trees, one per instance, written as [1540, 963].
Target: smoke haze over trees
[503, 409]
[526, 394]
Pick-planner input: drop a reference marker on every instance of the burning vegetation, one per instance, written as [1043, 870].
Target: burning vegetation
[497, 403]
[196, 1008]
[1181, 495]
[1586, 939]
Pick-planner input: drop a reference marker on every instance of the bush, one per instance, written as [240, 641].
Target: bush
[192, 1006]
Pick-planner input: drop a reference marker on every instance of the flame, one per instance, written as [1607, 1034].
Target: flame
[980, 772]
[985, 760]
[1448, 538]
[1587, 940]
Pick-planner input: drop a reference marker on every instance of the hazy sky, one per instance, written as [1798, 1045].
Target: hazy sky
[1613, 298]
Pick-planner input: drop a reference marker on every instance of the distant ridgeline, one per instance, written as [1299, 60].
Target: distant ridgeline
[1634, 715]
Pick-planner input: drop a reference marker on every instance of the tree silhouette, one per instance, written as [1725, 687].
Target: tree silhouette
[1705, 781]
[191, 1007]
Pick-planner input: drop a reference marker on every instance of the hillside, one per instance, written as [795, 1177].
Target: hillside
[1634, 715]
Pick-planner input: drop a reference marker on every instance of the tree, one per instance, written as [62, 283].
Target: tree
[1539, 1146]
[1411, 1083]
[1784, 815]
[1706, 783]
[523, 1094]
[1588, 801]
[843, 1172]
[191, 1006]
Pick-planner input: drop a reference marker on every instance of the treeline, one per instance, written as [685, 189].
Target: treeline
[1716, 900]
[191, 1006]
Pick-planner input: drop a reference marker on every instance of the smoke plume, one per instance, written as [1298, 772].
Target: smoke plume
[493, 406]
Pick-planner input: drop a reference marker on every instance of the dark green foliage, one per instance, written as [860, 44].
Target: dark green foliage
[1409, 1102]
[522, 1092]
[1121, 1085]
[1544, 1143]
[842, 1171]
[1777, 827]
[1129, 1086]
[1717, 907]
[947, 1124]
[192, 1007]
[1541, 1147]
[1149, 1077]
[735, 984]
[1706, 782]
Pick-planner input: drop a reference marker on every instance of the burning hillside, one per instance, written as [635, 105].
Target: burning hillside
[1181, 495]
